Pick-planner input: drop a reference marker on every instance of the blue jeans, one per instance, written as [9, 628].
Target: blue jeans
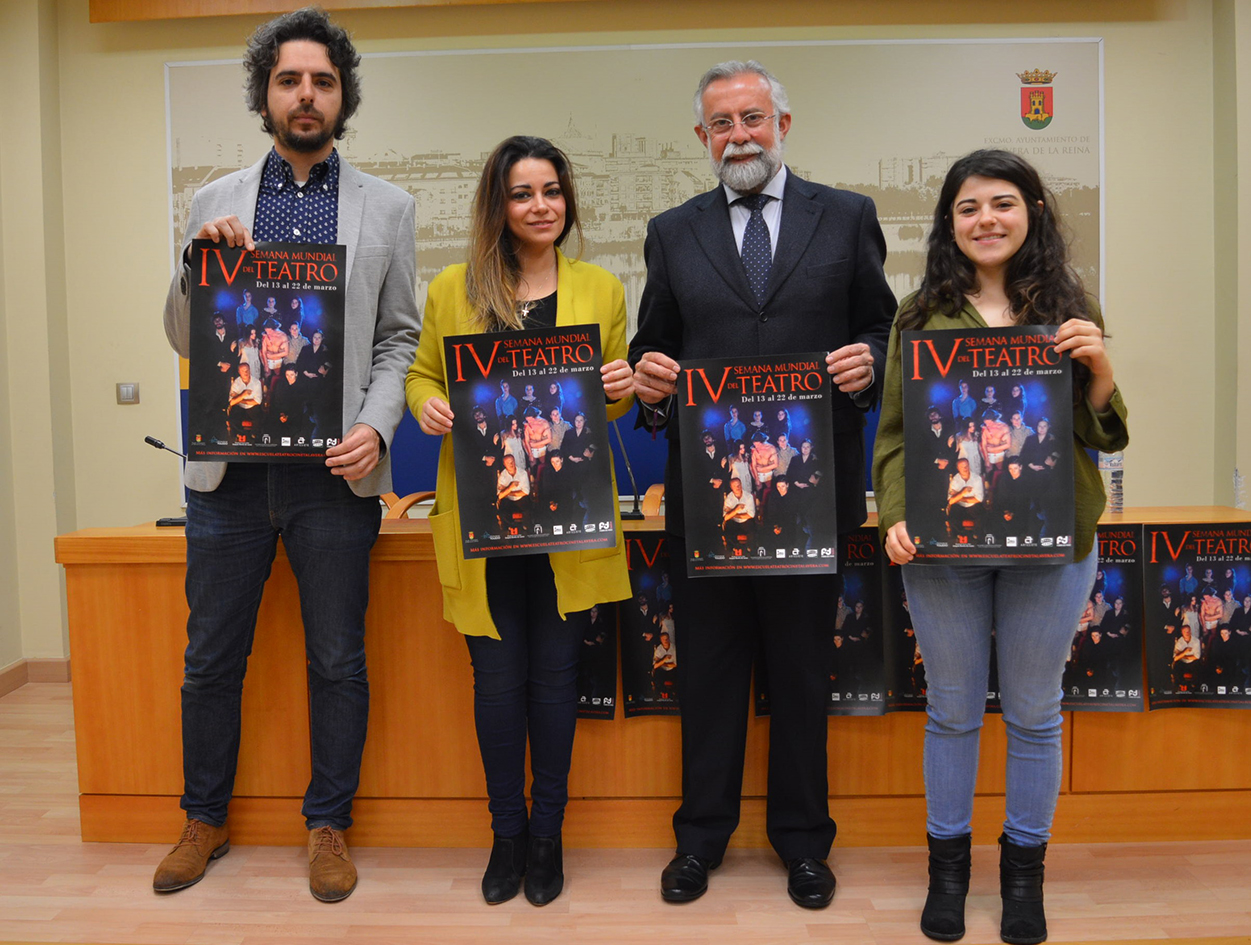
[232, 535]
[526, 681]
[1033, 613]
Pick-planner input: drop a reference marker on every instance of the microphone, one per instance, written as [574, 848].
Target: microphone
[157, 444]
[177, 521]
[637, 514]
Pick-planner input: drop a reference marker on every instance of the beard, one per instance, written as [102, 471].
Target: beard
[305, 142]
[746, 177]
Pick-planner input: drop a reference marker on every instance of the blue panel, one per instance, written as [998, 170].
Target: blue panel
[415, 456]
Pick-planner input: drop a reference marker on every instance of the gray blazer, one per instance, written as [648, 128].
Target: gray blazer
[377, 223]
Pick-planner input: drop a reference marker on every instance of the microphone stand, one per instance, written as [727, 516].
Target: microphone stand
[637, 514]
[179, 521]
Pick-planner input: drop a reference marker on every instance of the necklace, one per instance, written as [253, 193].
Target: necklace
[526, 306]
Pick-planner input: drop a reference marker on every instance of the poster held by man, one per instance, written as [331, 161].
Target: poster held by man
[265, 384]
[759, 476]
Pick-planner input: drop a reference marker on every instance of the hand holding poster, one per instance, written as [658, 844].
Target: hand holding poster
[988, 445]
[757, 478]
[266, 365]
[530, 441]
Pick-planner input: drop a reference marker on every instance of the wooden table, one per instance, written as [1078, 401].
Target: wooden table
[1175, 774]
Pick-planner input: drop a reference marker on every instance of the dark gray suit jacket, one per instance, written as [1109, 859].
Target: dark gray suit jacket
[826, 289]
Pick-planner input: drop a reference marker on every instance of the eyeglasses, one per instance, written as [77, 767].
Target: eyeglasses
[720, 127]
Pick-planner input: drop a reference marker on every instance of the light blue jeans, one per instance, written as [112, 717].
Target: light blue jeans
[1033, 612]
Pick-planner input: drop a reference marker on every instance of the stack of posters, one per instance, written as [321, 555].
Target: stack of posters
[858, 673]
[757, 466]
[1197, 614]
[530, 437]
[906, 684]
[597, 665]
[988, 445]
[266, 360]
[649, 639]
[1104, 671]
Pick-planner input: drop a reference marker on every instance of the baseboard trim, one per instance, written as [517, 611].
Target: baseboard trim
[13, 676]
[19, 673]
[648, 822]
[48, 670]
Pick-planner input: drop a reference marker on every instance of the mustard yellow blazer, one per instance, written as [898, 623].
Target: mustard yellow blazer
[585, 294]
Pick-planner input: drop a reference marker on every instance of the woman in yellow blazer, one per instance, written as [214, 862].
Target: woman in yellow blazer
[522, 616]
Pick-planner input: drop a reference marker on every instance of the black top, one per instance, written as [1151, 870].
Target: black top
[541, 313]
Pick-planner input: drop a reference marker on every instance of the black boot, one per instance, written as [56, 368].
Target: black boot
[502, 878]
[942, 919]
[545, 876]
[1021, 886]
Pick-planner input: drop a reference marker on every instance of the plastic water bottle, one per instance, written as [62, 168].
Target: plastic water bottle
[1112, 469]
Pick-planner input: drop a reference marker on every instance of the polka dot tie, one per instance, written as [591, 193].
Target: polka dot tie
[757, 247]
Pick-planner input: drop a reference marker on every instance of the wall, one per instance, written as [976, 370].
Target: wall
[39, 500]
[1239, 31]
[107, 196]
[10, 619]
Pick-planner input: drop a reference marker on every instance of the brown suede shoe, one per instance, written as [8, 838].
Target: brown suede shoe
[331, 874]
[184, 865]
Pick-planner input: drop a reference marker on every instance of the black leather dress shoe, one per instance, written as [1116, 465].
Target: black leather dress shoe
[811, 883]
[686, 877]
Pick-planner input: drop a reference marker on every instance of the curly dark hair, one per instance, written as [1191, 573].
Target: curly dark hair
[1041, 286]
[311, 23]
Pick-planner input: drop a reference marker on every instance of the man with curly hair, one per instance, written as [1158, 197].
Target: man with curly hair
[302, 82]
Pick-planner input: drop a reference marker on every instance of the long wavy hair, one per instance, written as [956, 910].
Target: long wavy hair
[1042, 287]
[493, 272]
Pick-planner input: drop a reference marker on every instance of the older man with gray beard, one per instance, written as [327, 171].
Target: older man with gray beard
[766, 263]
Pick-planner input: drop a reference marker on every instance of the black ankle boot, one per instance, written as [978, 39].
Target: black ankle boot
[545, 876]
[502, 878]
[942, 919]
[1021, 886]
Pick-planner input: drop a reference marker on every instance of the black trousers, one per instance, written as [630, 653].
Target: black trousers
[723, 622]
[525, 688]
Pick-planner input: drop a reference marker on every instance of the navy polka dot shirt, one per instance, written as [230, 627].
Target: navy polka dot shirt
[291, 214]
